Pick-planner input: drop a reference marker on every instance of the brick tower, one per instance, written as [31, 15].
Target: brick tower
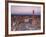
[33, 18]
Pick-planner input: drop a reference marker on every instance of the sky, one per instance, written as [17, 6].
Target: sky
[25, 10]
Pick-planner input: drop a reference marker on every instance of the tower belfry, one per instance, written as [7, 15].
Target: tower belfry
[33, 14]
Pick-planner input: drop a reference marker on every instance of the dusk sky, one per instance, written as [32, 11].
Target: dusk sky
[25, 10]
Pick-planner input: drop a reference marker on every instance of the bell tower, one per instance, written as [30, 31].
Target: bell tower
[33, 18]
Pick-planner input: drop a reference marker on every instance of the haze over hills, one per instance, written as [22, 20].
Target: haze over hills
[25, 14]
